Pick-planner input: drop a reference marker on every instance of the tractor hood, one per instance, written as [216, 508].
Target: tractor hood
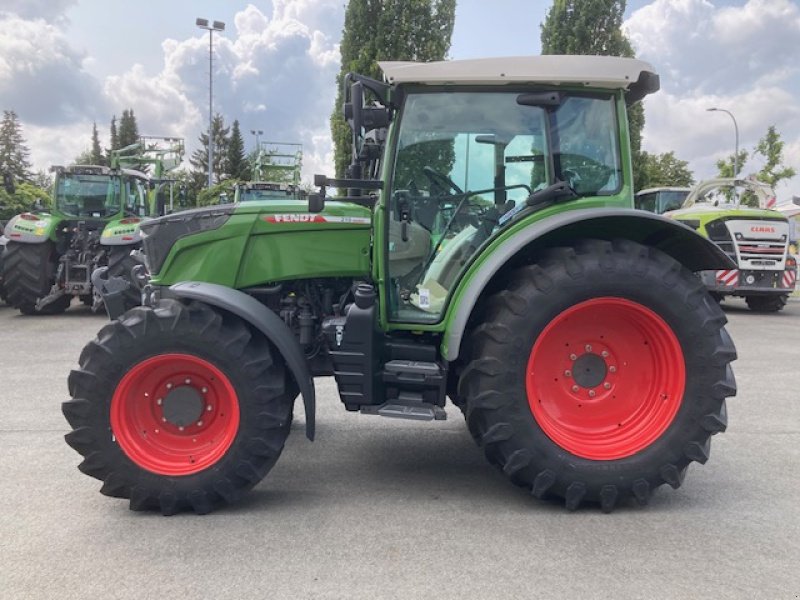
[253, 243]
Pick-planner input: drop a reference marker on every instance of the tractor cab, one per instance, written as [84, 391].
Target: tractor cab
[94, 192]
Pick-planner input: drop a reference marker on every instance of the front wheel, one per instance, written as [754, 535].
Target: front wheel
[598, 374]
[28, 275]
[770, 303]
[178, 407]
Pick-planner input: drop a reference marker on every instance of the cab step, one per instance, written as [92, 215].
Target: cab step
[408, 405]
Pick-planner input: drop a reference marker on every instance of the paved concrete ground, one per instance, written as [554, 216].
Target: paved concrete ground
[391, 509]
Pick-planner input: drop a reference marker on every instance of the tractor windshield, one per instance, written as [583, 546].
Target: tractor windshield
[464, 165]
[98, 196]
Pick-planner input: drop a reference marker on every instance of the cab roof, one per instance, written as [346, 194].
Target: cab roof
[593, 71]
[607, 72]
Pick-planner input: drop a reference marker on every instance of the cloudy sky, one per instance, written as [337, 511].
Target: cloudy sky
[67, 63]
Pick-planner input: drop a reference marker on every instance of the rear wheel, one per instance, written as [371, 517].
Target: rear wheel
[598, 374]
[178, 408]
[29, 274]
[770, 303]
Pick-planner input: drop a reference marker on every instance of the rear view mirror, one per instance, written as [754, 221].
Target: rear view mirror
[316, 203]
[540, 99]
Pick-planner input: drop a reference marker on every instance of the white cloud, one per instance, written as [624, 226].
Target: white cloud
[42, 77]
[740, 58]
[274, 71]
[47, 10]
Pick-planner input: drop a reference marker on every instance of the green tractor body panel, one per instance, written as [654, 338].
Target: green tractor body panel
[122, 232]
[271, 241]
[32, 227]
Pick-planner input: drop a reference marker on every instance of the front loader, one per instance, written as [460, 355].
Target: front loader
[485, 249]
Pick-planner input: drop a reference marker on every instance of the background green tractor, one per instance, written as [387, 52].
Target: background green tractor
[94, 221]
[486, 250]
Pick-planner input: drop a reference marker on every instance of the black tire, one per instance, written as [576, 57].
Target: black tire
[264, 394]
[493, 383]
[767, 304]
[120, 264]
[718, 298]
[29, 274]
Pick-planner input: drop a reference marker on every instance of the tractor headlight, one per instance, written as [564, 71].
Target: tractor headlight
[159, 235]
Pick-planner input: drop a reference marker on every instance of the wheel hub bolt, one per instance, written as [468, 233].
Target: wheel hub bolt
[205, 390]
[607, 385]
[160, 401]
[588, 347]
[575, 388]
[612, 369]
[573, 357]
[209, 408]
[199, 423]
[591, 393]
[567, 373]
[187, 381]
[163, 419]
[169, 386]
[604, 353]
[180, 428]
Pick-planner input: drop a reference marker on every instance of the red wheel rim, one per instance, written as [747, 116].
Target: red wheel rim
[175, 414]
[605, 378]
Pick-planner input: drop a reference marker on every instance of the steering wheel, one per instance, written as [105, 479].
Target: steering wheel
[440, 180]
[585, 173]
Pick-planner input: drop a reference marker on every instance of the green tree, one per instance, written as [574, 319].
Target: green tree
[128, 129]
[237, 165]
[771, 148]
[212, 195]
[97, 157]
[24, 199]
[725, 166]
[664, 170]
[42, 179]
[377, 30]
[14, 153]
[594, 27]
[219, 136]
[114, 138]
[84, 158]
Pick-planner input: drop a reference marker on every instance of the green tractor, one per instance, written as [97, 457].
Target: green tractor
[94, 221]
[589, 361]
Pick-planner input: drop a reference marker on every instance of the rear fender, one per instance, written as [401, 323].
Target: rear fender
[680, 242]
[31, 228]
[268, 323]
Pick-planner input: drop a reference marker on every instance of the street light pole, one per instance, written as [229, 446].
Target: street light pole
[736, 129]
[257, 132]
[214, 26]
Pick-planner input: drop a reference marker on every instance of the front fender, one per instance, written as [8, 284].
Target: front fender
[31, 228]
[124, 232]
[268, 323]
[680, 242]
